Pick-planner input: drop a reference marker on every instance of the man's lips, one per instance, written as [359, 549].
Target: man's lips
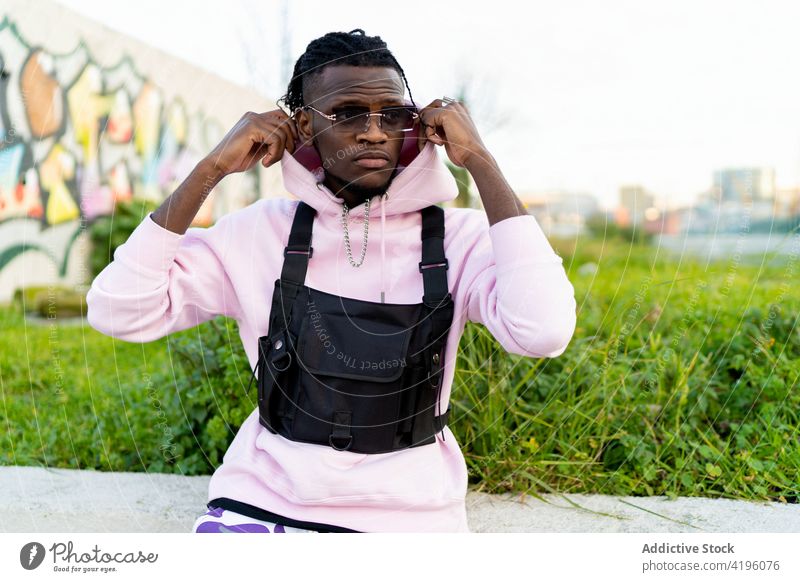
[373, 160]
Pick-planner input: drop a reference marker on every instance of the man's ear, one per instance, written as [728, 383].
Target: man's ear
[303, 122]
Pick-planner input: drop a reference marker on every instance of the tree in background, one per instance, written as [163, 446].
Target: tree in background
[488, 119]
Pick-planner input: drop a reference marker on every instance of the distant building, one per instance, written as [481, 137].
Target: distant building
[698, 218]
[560, 213]
[787, 202]
[658, 221]
[742, 199]
[744, 185]
[636, 205]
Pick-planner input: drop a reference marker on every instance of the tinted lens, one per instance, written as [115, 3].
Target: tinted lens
[354, 119]
[350, 119]
[397, 118]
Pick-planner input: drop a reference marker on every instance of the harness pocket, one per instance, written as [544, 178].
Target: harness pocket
[351, 381]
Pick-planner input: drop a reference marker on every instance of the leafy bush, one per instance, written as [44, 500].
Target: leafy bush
[51, 300]
[212, 393]
[679, 381]
[601, 227]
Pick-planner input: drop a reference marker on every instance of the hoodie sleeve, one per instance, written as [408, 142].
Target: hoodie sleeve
[517, 287]
[161, 282]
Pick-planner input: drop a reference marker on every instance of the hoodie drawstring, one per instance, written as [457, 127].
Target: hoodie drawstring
[383, 248]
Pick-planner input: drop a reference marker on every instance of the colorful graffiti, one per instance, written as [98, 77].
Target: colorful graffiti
[76, 137]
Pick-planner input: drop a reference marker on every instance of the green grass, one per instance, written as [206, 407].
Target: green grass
[679, 381]
[74, 398]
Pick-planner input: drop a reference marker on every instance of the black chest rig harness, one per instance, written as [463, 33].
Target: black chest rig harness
[355, 375]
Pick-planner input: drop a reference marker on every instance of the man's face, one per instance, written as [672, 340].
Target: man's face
[373, 87]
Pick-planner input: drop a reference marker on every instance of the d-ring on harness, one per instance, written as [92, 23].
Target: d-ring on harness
[355, 375]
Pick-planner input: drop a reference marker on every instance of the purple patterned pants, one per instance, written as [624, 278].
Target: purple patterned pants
[217, 520]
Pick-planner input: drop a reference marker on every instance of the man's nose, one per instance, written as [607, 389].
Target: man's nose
[373, 131]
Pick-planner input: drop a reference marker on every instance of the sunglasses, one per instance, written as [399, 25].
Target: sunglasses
[355, 118]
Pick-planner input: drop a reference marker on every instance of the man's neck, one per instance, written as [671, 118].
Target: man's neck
[352, 196]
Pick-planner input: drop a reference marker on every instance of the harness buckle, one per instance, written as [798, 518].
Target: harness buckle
[280, 351]
[445, 264]
[344, 448]
[341, 429]
[298, 250]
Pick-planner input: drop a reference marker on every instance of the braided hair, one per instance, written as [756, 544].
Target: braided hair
[338, 48]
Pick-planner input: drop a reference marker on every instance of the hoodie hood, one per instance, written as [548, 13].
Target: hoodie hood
[422, 179]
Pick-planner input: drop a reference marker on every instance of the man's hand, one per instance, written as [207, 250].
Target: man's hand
[451, 125]
[255, 136]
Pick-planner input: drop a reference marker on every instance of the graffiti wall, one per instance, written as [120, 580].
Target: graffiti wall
[75, 138]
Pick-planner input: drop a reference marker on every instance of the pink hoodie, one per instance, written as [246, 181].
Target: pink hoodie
[506, 277]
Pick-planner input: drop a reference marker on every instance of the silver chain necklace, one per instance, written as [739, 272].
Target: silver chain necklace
[345, 214]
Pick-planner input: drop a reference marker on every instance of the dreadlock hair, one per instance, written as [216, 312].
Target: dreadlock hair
[338, 48]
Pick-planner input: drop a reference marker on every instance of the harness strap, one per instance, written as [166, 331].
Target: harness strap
[299, 249]
[293, 275]
[440, 421]
[434, 264]
[437, 298]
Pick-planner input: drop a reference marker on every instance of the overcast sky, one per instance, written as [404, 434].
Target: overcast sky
[595, 94]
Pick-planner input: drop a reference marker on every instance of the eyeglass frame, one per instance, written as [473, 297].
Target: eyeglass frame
[332, 117]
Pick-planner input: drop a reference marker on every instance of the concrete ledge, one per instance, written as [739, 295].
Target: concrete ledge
[606, 514]
[67, 500]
